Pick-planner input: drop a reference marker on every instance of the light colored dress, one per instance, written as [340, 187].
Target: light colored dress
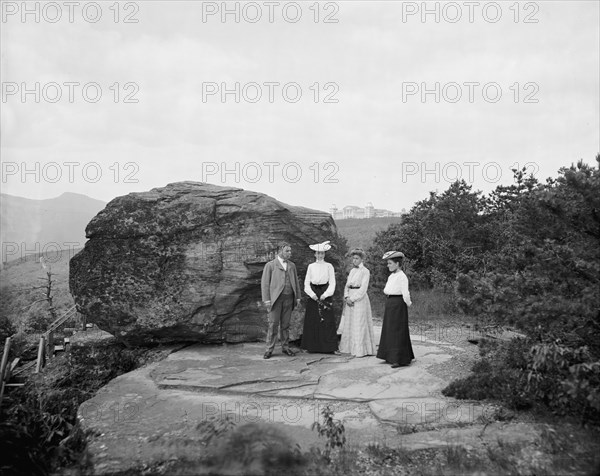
[356, 325]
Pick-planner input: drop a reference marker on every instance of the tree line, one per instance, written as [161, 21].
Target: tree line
[526, 255]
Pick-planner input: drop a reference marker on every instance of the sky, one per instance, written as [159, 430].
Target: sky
[313, 103]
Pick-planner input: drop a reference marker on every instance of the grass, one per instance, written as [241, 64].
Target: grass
[431, 305]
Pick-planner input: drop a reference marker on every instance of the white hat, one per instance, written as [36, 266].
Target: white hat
[325, 246]
[393, 254]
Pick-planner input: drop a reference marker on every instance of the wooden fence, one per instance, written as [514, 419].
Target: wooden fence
[46, 350]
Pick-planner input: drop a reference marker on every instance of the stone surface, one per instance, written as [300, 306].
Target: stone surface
[184, 262]
[157, 409]
[408, 396]
[166, 412]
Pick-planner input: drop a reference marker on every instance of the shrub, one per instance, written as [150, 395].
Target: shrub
[500, 374]
[39, 431]
[542, 274]
[565, 379]
[7, 329]
[331, 429]
[256, 448]
[92, 366]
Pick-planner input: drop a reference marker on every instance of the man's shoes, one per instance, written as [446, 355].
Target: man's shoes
[289, 352]
[267, 355]
[337, 352]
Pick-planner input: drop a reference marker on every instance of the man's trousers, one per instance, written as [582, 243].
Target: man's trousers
[279, 319]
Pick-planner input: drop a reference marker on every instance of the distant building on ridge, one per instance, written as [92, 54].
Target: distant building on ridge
[369, 211]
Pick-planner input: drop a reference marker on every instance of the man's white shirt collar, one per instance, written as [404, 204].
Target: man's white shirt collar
[283, 263]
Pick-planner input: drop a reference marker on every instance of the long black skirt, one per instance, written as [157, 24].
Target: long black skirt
[395, 346]
[319, 332]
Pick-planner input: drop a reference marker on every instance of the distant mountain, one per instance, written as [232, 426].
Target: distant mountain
[30, 225]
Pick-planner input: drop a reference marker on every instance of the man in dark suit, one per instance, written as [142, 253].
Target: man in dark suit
[280, 293]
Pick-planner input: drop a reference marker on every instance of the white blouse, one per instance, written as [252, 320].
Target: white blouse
[397, 283]
[358, 277]
[320, 272]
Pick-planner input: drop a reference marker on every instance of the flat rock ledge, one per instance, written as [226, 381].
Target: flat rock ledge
[152, 414]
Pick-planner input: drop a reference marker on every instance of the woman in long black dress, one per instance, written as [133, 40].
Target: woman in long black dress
[319, 332]
[395, 346]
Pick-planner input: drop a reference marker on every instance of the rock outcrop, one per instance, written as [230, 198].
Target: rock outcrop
[184, 262]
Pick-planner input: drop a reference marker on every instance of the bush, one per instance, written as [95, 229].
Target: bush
[7, 329]
[39, 431]
[565, 379]
[36, 321]
[500, 375]
[332, 430]
[256, 448]
[521, 374]
[526, 256]
[91, 367]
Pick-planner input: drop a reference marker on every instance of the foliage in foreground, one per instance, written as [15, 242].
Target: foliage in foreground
[39, 431]
[266, 449]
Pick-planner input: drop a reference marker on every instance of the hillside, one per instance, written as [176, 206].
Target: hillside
[30, 225]
[361, 232]
[19, 280]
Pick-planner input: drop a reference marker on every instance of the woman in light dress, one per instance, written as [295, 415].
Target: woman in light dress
[395, 346]
[356, 325]
[319, 334]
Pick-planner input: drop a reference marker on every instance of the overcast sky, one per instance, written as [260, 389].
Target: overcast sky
[328, 111]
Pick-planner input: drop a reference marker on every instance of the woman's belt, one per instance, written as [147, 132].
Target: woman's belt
[394, 295]
[353, 287]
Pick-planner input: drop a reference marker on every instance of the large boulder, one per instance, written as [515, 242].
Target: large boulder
[184, 262]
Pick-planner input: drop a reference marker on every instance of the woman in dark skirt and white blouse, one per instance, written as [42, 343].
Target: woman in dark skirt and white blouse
[319, 330]
[395, 346]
